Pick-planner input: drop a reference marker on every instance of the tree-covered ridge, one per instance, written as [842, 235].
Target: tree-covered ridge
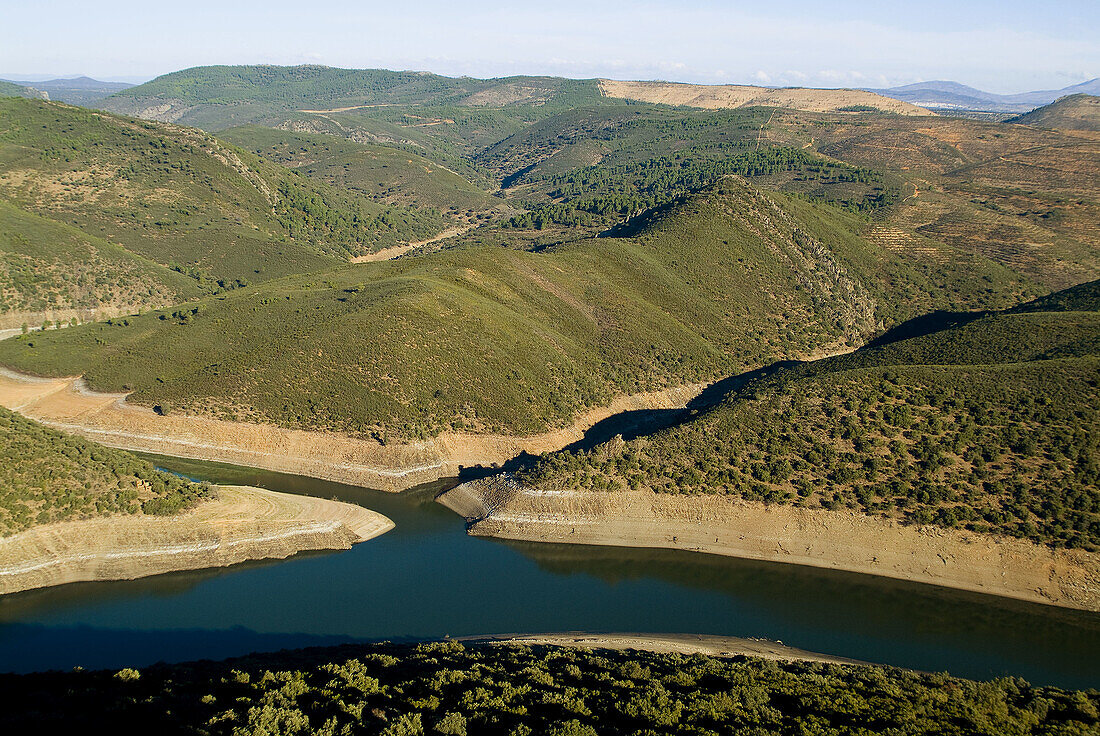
[489, 340]
[48, 476]
[990, 426]
[448, 688]
[182, 198]
[603, 194]
[314, 87]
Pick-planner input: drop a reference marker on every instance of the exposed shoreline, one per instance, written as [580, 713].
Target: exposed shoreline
[66, 404]
[840, 540]
[242, 524]
[714, 646]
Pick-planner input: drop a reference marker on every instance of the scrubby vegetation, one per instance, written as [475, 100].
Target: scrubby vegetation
[494, 340]
[448, 688]
[48, 476]
[183, 199]
[990, 425]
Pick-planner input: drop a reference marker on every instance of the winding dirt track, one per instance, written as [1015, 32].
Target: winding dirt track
[243, 523]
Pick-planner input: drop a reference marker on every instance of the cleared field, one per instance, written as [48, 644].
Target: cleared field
[736, 95]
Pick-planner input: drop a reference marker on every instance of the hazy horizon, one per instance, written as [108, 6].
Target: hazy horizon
[1003, 47]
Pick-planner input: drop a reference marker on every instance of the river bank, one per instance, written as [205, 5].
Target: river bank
[241, 524]
[66, 404]
[713, 646]
[842, 540]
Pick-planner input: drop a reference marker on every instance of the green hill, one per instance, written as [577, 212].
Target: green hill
[48, 476]
[451, 688]
[217, 97]
[386, 175]
[181, 198]
[47, 267]
[989, 424]
[489, 339]
[11, 89]
[1073, 112]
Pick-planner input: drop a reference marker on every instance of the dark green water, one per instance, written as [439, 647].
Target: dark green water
[426, 578]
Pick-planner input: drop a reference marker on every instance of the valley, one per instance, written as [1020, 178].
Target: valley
[716, 358]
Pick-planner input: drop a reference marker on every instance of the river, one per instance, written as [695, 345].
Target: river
[426, 578]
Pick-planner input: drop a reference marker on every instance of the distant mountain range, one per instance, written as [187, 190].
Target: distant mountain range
[954, 96]
[75, 91]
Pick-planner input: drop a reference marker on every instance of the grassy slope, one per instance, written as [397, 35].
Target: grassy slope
[48, 476]
[448, 688]
[989, 425]
[493, 339]
[384, 174]
[180, 197]
[46, 265]
[1073, 112]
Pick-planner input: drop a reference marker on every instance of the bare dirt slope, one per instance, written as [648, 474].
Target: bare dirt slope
[722, 96]
[843, 540]
[713, 646]
[241, 524]
[65, 404]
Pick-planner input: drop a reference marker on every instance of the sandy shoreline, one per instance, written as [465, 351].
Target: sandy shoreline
[65, 404]
[841, 540]
[243, 523]
[714, 646]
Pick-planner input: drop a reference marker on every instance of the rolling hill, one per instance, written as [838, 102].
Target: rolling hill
[15, 89]
[1074, 112]
[384, 174]
[988, 423]
[485, 339]
[49, 270]
[183, 199]
[83, 91]
[952, 95]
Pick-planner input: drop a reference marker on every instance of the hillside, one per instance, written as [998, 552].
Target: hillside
[82, 91]
[49, 270]
[726, 96]
[952, 96]
[1073, 112]
[987, 425]
[384, 174]
[183, 199]
[484, 339]
[14, 89]
[452, 688]
[47, 476]
[217, 97]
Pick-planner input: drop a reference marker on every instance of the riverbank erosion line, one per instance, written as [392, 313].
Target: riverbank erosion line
[66, 404]
[242, 523]
[843, 540]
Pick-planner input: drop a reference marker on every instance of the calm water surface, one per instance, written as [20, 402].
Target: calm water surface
[426, 578]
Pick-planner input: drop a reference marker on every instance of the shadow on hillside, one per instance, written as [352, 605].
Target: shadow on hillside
[926, 324]
[635, 423]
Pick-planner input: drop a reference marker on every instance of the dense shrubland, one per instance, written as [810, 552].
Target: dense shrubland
[990, 425]
[48, 476]
[448, 688]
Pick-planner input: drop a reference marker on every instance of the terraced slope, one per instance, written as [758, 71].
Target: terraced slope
[988, 425]
[492, 340]
[183, 199]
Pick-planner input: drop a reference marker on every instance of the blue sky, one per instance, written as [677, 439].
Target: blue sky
[1001, 46]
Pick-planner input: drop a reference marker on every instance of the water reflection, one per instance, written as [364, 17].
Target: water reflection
[426, 578]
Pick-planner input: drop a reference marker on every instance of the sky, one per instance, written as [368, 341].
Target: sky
[1001, 46]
